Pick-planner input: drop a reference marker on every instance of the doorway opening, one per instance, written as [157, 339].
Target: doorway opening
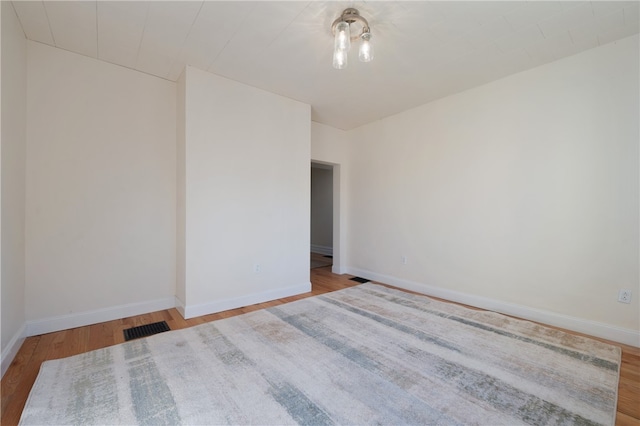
[325, 216]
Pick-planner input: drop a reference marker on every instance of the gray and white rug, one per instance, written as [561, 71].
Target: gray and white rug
[363, 355]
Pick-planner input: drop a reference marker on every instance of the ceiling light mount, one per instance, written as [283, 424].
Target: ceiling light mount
[344, 35]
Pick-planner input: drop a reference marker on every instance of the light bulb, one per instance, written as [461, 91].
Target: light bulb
[339, 59]
[343, 37]
[365, 54]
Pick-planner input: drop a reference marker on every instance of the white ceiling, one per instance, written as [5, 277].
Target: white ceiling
[424, 50]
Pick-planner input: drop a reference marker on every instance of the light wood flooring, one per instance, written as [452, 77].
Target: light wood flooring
[22, 372]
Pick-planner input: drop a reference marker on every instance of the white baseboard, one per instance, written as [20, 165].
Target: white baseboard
[605, 331]
[65, 322]
[190, 311]
[327, 251]
[9, 353]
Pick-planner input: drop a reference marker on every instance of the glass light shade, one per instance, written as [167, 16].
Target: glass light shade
[365, 54]
[343, 37]
[339, 59]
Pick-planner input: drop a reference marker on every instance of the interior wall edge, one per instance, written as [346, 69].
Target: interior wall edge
[180, 306]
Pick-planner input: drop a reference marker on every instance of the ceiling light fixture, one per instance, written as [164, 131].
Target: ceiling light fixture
[341, 29]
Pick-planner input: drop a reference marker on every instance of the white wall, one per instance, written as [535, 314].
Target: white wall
[246, 194]
[322, 208]
[331, 146]
[524, 191]
[13, 134]
[101, 189]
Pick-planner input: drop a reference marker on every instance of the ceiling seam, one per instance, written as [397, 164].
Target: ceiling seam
[246, 16]
[48, 22]
[288, 25]
[15, 12]
[97, 31]
[175, 59]
[144, 28]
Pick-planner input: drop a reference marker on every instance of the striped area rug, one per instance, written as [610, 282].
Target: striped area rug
[363, 355]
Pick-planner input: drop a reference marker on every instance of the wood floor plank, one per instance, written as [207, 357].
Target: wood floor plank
[11, 414]
[13, 377]
[629, 395]
[625, 420]
[21, 374]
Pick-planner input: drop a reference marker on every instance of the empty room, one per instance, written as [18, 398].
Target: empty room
[310, 212]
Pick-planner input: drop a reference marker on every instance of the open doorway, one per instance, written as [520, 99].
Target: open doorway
[322, 210]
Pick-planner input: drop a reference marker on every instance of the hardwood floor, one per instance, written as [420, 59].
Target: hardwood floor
[22, 372]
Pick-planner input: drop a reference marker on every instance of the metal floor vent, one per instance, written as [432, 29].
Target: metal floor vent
[145, 330]
[360, 279]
